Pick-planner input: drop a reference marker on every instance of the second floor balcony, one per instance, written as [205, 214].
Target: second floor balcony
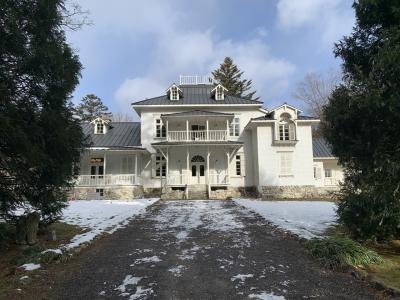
[197, 135]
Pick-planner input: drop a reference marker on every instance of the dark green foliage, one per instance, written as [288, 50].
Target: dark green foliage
[92, 107]
[230, 77]
[40, 141]
[362, 121]
[341, 253]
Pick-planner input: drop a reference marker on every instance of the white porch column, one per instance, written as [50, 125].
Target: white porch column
[187, 164]
[208, 135]
[166, 127]
[167, 166]
[136, 168]
[104, 167]
[208, 164]
[227, 128]
[227, 166]
[187, 130]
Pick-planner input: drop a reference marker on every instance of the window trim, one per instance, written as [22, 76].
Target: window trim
[234, 127]
[160, 159]
[174, 94]
[101, 125]
[160, 129]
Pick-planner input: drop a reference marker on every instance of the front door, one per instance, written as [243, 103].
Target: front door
[97, 171]
[198, 170]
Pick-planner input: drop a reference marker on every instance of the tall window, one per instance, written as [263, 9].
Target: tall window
[160, 129]
[99, 128]
[160, 166]
[234, 129]
[238, 165]
[219, 94]
[328, 173]
[287, 129]
[174, 93]
[286, 162]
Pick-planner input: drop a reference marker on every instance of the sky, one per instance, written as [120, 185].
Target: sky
[136, 49]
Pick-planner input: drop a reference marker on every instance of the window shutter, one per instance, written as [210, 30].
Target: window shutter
[292, 131]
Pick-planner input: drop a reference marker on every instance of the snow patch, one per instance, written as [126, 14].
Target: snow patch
[146, 260]
[177, 271]
[242, 277]
[129, 280]
[141, 292]
[30, 267]
[266, 296]
[308, 219]
[57, 251]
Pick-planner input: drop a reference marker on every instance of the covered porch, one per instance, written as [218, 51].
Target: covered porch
[109, 167]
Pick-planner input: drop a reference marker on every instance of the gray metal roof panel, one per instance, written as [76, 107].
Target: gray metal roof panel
[198, 94]
[197, 113]
[321, 148]
[119, 134]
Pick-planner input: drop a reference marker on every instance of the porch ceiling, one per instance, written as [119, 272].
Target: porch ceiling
[197, 113]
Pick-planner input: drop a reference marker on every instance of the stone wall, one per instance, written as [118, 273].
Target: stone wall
[234, 192]
[298, 192]
[111, 193]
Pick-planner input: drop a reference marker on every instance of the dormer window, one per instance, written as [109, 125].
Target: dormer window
[287, 128]
[99, 128]
[174, 92]
[219, 92]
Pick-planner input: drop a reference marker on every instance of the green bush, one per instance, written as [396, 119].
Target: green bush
[341, 253]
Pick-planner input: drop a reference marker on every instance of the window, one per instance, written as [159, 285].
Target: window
[234, 129]
[219, 93]
[174, 94]
[160, 166]
[161, 131]
[328, 173]
[317, 172]
[99, 128]
[286, 163]
[100, 192]
[287, 128]
[238, 165]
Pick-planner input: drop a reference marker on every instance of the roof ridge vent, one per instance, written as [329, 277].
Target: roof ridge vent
[195, 80]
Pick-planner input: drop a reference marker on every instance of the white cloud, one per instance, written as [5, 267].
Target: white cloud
[330, 18]
[137, 89]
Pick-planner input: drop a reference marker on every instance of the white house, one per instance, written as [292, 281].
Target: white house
[198, 141]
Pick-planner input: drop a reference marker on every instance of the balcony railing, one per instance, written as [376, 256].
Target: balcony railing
[108, 180]
[331, 181]
[185, 179]
[197, 135]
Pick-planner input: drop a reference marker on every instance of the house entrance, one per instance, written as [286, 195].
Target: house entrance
[97, 167]
[198, 170]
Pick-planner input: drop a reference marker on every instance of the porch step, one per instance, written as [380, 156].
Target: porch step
[197, 192]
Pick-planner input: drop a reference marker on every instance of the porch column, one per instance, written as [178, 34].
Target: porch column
[167, 166]
[227, 128]
[166, 127]
[136, 178]
[208, 135]
[187, 130]
[187, 164]
[208, 164]
[104, 167]
[227, 167]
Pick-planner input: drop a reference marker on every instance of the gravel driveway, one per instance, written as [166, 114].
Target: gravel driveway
[204, 250]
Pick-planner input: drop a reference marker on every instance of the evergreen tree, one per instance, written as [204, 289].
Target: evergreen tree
[40, 141]
[91, 107]
[229, 75]
[362, 121]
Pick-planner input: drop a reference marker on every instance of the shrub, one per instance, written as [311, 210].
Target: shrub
[341, 253]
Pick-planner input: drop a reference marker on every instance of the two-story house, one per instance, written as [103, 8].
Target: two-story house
[198, 141]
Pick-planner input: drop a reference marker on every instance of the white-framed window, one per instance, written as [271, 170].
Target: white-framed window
[328, 173]
[287, 128]
[160, 166]
[99, 128]
[174, 94]
[219, 93]
[100, 192]
[234, 129]
[161, 131]
[286, 163]
[238, 165]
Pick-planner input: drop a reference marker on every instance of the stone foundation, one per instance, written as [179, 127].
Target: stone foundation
[234, 192]
[298, 192]
[111, 193]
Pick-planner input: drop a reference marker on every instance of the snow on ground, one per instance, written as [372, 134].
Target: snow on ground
[100, 216]
[150, 259]
[242, 277]
[266, 296]
[125, 288]
[307, 219]
[30, 267]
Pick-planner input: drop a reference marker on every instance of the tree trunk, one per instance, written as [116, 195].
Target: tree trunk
[27, 229]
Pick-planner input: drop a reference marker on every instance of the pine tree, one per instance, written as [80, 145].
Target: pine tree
[41, 142]
[229, 75]
[362, 121]
[91, 107]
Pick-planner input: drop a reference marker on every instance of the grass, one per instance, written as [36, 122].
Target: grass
[342, 253]
[12, 255]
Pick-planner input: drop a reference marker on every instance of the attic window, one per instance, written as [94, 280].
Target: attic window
[219, 93]
[174, 95]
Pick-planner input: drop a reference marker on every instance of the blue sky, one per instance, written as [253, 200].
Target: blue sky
[135, 49]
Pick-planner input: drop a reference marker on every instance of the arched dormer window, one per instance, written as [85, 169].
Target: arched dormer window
[287, 128]
[100, 126]
[219, 92]
[174, 92]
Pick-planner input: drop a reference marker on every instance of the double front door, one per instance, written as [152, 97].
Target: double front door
[198, 170]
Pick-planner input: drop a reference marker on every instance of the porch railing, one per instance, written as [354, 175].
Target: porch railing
[197, 135]
[184, 179]
[218, 179]
[331, 181]
[108, 180]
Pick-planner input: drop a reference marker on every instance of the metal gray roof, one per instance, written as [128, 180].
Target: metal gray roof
[118, 135]
[269, 116]
[196, 94]
[321, 148]
[194, 113]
